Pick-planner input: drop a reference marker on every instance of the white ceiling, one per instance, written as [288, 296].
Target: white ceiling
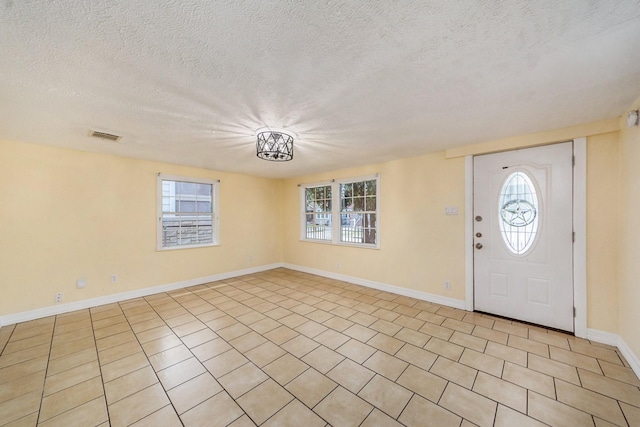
[190, 81]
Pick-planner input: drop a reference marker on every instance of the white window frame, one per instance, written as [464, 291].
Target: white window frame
[215, 220]
[304, 213]
[336, 211]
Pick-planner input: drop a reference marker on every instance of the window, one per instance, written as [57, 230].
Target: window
[341, 212]
[518, 208]
[358, 201]
[318, 212]
[187, 212]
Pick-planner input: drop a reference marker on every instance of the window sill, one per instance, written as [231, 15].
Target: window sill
[173, 248]
[352, 245]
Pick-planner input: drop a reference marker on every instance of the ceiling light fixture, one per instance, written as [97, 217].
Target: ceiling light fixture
[275, 145]
[633, 118]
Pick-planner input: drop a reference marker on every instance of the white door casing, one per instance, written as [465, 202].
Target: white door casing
[523, 240]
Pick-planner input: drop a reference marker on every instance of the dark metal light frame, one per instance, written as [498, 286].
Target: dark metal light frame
[275, 145]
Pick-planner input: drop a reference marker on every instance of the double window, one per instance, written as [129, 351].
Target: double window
[342, 212]
[187, 212]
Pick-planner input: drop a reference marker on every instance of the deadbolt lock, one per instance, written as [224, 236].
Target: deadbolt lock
[478, 245]
[479, 218]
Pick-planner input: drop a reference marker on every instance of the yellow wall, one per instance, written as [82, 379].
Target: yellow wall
[603, 207]
[629, 252]
[538, 138]
[421, 247]
[603, 231]
[69, 214]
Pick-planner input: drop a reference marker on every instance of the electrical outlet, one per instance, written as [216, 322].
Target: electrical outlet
[451, 210]
[114, 278]
[81, 283]
[250, 258]
[58, 297]
[339, 266]
[447, 284]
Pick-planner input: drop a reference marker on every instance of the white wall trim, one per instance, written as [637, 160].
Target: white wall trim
[617, 341]
[123, 296]
[628, 354]
[424, 296]
[468, 233]
[580, 228]
[602, 337]
[590, 334]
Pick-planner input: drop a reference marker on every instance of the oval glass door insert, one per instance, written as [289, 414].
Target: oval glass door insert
[518, 213]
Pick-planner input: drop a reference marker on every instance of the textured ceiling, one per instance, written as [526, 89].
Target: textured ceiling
[189, 81]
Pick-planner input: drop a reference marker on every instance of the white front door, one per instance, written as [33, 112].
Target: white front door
[523, 235]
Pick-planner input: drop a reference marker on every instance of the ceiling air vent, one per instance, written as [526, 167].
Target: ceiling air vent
[104, 135]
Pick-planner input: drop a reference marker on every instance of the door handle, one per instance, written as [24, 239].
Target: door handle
[478, 245]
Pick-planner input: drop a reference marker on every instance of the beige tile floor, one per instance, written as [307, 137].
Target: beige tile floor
[283, 348]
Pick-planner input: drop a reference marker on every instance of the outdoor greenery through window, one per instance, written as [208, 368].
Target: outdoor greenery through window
[358, 201]
[187, 212]
[342, 212]
[318, 212]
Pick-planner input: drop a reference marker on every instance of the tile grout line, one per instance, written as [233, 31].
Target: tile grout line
[273, 379]
[292, 289]
[13, 329]
[95, 344]
[376, 373]
[220, 337]
[46, 369]
[292, 379]
[147, 357]
[155, 373]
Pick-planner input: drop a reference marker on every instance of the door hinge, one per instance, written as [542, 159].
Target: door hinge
[573, 161]
[573, 237]
[574, 312]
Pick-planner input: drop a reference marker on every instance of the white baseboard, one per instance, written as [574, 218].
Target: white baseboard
[592, 334]
[628, 354]
[602, 337]
[617, 341]
[424, 296]
[123, 296]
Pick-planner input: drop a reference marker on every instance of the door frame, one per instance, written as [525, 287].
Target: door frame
[579, 227]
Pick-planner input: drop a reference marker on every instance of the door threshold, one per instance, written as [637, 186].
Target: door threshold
[549, 328]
